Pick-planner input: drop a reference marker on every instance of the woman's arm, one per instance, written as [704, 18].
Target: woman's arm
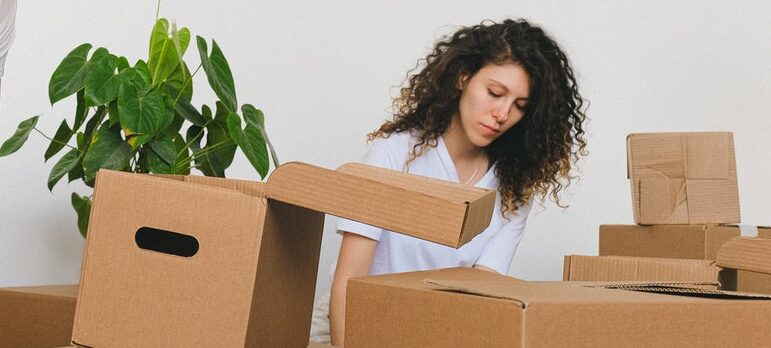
[355, 259]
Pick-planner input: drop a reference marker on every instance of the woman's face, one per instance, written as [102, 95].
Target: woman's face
[492, 101]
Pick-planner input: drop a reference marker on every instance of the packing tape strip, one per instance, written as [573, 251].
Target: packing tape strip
[748, 230]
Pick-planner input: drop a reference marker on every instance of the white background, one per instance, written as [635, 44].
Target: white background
[324, 73]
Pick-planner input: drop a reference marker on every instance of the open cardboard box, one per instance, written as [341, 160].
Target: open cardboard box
[473, 308]
[683, 178]
[625, 268]
[37, 316]
[194, 261]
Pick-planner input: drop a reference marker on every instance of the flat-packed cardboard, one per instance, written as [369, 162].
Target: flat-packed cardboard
[750, 260]
[623, 268]
[37, 316]
[683, 178]
[666, 241]
[473, 308]
[194, 261]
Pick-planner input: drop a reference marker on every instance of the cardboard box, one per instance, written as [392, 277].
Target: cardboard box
[194, 261]
[622, 268]
[750, 260]
[37, 316]
[472, 308]
[665, 241]
[683, 178]
[319, 345]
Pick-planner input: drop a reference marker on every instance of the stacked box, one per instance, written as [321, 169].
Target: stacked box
[37, 316]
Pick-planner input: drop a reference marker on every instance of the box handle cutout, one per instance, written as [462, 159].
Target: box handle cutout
[166, 242]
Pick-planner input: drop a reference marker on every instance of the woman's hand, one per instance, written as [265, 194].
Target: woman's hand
[355, 259]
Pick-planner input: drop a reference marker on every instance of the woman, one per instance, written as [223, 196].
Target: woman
[496, 106]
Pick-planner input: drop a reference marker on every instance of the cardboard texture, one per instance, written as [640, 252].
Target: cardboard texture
[750, 260]
[37, 316]
[666, 241]
[603, 268]
[472, 308]
[192, 261]
[683, 178]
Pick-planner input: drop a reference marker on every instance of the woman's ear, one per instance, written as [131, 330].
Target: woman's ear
[463, 80]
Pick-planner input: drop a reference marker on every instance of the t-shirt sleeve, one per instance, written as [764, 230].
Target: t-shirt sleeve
[499, 250]
[378, 156]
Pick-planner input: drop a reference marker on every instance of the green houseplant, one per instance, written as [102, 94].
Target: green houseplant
[131, 117]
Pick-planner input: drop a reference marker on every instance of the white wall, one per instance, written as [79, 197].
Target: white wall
[324, 73]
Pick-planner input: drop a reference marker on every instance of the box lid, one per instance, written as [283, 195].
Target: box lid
[681, 178]
[746, 253]
[431, 209]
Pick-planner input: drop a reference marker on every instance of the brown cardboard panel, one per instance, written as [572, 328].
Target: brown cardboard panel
[703, 160]
[746, 253]
[708, 156]
[663, 200]
[39, 316]
[603, 268]
[748, 281]
[430, 209]
[665, 241]
[465, 308]
[710, 198]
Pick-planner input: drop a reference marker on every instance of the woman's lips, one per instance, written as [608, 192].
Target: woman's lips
[491, 130]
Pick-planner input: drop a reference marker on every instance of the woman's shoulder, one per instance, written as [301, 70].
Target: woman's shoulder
[395, 143]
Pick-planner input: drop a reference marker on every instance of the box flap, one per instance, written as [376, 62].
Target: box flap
[621, 268]
[430, 209]
[663, 201]
[707, 155]
[746, 253]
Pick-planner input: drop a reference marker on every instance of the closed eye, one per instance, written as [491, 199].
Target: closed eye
[493, 94]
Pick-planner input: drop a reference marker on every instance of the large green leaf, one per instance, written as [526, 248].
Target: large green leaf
[66, 164]
[251, 142]
[182, 164]
[163, 53]
[69, 76]
[107, 150]
[19, 137]
[77, 172]
[81, 111]
[165, 149]
[82, 207]
[102, 82]
[214, 162]
[142, 116]
[178, 80]
[62, 136]
[256, 118]
[189, 112]
[218, 73]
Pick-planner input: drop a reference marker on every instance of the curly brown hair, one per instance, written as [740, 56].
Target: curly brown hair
[535, 156]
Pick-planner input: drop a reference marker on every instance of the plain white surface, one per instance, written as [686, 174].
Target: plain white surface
[324, 73]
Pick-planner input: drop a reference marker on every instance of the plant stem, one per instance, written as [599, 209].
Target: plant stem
[56, 141]
[157, 10]
[185, 84]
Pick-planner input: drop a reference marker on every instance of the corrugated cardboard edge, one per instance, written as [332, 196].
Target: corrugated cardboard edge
[459, 211]
[746, 253]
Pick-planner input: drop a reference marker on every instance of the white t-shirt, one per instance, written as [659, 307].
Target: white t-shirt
[7, 32]
[396, 253]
